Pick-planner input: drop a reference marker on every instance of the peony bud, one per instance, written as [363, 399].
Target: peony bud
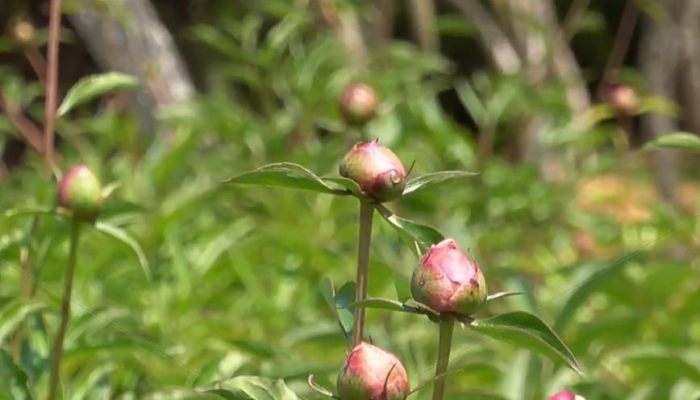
[371, 373]
[358, 104]
[79, 191]
[448, 281]
[623, 98]
[565, 395]
[376, 169]
[23, 32]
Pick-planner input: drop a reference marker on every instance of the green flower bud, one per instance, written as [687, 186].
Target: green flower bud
[358, 104]
[80, 192]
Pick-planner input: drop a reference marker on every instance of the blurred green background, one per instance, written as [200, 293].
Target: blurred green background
[600, 234]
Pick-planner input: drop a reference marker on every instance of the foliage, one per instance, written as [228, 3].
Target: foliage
[237, 274]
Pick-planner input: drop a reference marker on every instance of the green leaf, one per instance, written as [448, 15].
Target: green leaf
[13, 313]
[426, 181]
[528, 331]
[122, 236]
[14, 380]
[424, 235]
[251, 388]
[677, 141]
[657, 363]
[351, 186]
[286, 175]
[32, 211]
[500, 295]
[93, 86]
[380, 303]
[338, 304]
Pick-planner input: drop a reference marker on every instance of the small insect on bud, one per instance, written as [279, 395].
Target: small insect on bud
[623, 99]
[79, 192]
[376, 169]
[371, 373]
[448, 281]
[358, 104]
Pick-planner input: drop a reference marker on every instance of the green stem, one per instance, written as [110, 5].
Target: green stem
[57, 349]
[366, 213]
[443, 360]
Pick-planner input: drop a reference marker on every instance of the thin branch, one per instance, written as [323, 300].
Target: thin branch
[495, 40]
[623, 37]
[26, 128]
[572, 17]
[52, 82]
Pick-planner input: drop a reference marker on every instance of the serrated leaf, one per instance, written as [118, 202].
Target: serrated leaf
[13, 313]
[424, 235]
[93, 86]
[288, 175]
[528, 331]
[426, 181]
[14, 380]
[122, 236]
[677, 141]
[251, 388]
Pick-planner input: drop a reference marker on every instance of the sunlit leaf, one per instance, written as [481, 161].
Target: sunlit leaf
[526, 330]
[500, 295]
[676, 141]
[426, 181]
[251, 388]
[122, 236]
[286, 175]
[93, 86]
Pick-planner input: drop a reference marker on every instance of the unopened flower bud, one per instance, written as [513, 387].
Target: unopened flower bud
[358, 104]
[371, 373]
[79, 191]
[565, 395]
[23, 32]
[448, 281]
[376, 169]
[623, 98]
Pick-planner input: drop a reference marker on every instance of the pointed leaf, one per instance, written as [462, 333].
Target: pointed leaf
[319, 389]
[32, 211]
[351, 186]
[122, 236]
[286, 175]
[343, 297]
[424, 235]
[426, 181]
[526, 330]
[678, 141]
[380, 303]
[93, 86]
[500, 295]
[12, 315]
[251, 388]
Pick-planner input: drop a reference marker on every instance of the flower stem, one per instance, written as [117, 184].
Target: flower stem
[366, 213]
[57, 349]
[443, 359]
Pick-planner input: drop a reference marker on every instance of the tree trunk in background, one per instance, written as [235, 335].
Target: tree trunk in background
[690, 60]
[660, 53]
[128, 36]
[424, 25]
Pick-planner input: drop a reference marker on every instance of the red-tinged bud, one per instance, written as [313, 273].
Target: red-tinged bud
[565, 395]
[448, 281]
[79, 191]
[623, 98]
[371, 373]
[358, 104]
[376, 169]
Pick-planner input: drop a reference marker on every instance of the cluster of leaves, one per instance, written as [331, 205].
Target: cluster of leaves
[228, 268]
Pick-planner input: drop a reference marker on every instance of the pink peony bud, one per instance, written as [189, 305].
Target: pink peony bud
[371, 373]
[623, 98]
[376, 169]
[358, 104]
[564, 395]
[448, 281]
[79, 191]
